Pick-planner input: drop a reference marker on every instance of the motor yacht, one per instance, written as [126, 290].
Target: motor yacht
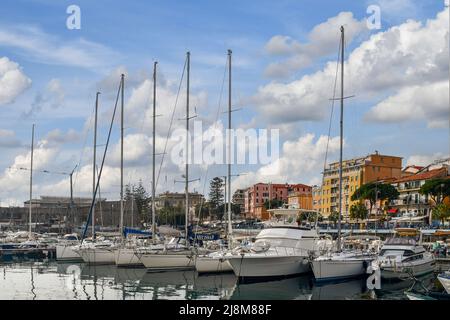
[404, 256]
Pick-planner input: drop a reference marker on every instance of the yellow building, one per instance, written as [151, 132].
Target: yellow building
[355, 172]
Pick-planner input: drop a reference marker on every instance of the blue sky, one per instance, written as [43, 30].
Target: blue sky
[66, 67]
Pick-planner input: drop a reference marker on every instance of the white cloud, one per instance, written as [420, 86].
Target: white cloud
[56, 136]
[427, 102]
[411, 54]
[51, 97]
[424, 160]
[323, 41]
[299, 162]
[12, 81]
[39, 46]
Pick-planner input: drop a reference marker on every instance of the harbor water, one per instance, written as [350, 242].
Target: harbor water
[48, 279]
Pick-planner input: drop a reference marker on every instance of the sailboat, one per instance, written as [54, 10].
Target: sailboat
[125, 255]
[102, 251]
[341, 264]
[215, 262]
[180, 257]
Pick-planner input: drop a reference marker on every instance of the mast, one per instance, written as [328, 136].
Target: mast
[186, 188]
[121, 156]
[341, 124]
[230, 229]
[94, 165]
[153, 155]
[31, 182]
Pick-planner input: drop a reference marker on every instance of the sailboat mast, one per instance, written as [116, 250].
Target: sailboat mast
[186, 188]
[341, 125]
[31, 182]
[154, 150]
[121, 155]
[229, 150]
[94, 165]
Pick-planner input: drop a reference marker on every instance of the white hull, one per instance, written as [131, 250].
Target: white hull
[445, 281]
[164, 261]
[97, 255]
[268, 266]
[327, 270]
[66, 253]
[125, 257]
[405, 271]
[208, 264]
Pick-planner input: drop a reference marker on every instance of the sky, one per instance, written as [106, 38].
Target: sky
[283, 73]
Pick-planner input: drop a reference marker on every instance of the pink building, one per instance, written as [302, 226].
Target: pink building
[256, 195]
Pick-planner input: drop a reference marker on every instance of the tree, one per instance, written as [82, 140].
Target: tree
[441, 212]
[373, 191]
[172, 215]
[274, 203]
[334, 216]
[216, 194]
[141, 199]
[204, 210]
[436, 189]
[358, 211]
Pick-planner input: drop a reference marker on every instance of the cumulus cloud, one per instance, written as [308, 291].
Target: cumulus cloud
[12, 81]
[408, 55]
[299, 161]
[430, 102]
[323, 41]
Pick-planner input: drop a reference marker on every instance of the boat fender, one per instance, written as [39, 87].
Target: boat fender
[365, 264]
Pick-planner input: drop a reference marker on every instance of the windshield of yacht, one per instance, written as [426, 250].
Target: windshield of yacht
[398, 252]
[401, 241]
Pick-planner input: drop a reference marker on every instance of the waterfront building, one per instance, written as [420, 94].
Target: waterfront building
[256, 195]
[355, 172]
[239, 199]
[410, 200]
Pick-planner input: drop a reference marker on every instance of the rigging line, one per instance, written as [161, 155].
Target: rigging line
[103, 162]
[170, 125]
[330, 123]
[219, 108]
[83, 149]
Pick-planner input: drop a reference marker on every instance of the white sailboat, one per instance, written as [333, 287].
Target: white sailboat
[102, 252]
[64, 248]
[215, 262]
[181, 258]
[339, 264]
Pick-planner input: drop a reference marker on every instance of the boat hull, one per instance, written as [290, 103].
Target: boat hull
[329, 270]
[399, 272]
[66, 253]
[97, 255]
[268, 266]
[445, 281]
[165, 261]
[125, 257]
[212, 265]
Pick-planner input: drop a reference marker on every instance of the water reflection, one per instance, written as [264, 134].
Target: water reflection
[51, 280]
[343, 290]
[297, 288]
